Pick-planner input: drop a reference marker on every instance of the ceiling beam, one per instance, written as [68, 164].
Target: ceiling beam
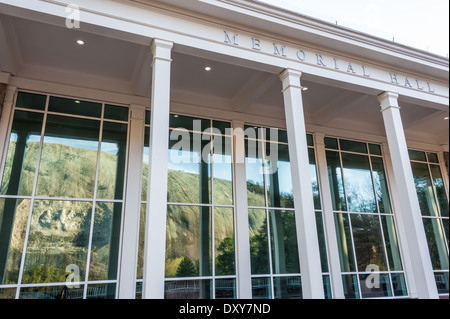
[338, 106]
[421, 117]
[143, 80]
[255, 87]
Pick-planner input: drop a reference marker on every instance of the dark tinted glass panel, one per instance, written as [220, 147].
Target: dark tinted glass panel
[353, 146]
[31, 101]
[417, 156]
[331, 143]
[189, 123]
[275, 135]
[375, 149]
[310, 140]
[433, 158]
[221, 127]
[114, 112]
[76, 107]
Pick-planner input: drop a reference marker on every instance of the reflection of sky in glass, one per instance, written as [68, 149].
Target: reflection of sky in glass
[359, 188]
[284, 174]
[222, 167]
[92, 145]
[184, 161]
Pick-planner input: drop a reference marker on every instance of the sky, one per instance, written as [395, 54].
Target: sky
[422, 24]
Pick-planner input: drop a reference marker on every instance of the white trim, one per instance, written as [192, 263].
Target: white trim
[130, 226]
[328, 215]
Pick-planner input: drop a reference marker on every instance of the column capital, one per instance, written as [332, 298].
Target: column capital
[290, 78]
[162, 50]
[388, 100]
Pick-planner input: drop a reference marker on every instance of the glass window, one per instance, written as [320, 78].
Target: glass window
[433, 202]
[114, 112]
[189, 168]
[31, 101]
[69, 158]
[358, 183]
[353, 146]
[74, 107]
[61, 199]
[365, 229]
[273, 236]
[22, 155]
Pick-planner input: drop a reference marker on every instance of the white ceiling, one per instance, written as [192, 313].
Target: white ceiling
[49, 52]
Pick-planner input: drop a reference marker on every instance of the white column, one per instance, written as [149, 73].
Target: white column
[308, 242]
[334, 263]
[128, 267]
[243, 262]
[156, 215]
[402, 236]
[409, 216]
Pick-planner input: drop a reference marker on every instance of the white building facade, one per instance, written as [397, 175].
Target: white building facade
[217, 149]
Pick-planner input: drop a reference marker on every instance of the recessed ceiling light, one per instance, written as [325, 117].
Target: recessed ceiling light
[208, 68]
[77, 102]
[446, 118]
[80, 42]
[304, 88]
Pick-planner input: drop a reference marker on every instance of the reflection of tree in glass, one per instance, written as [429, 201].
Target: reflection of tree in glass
[186, 268]
[368, 241]
[225, 258]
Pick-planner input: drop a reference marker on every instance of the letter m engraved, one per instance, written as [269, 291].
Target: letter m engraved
[231, 39]
[279, 50]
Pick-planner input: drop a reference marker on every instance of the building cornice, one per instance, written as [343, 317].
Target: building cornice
[316, 32]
